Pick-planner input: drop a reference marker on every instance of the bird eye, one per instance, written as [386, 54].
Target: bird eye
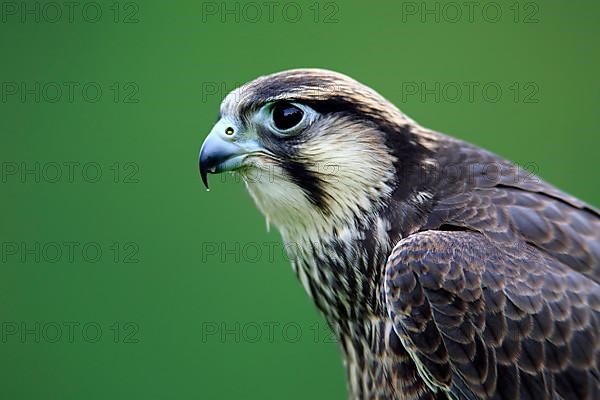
[286, 115]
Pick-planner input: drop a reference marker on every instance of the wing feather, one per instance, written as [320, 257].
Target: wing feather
[481, 321]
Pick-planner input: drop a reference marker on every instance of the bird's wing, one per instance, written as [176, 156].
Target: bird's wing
[507, 214]
[485, 322]
[507, 203]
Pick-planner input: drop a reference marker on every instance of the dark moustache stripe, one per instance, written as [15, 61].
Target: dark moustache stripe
[308, 181]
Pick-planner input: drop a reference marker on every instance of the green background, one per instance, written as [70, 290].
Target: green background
[211, 308]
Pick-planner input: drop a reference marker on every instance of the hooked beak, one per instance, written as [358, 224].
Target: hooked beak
[221, 151]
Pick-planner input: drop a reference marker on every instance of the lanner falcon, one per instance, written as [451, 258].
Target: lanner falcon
[445, 271]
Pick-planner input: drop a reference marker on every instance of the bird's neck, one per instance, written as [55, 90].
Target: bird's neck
[342, 266]
[341, 269]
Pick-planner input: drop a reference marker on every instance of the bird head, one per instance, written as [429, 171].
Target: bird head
[314, 147]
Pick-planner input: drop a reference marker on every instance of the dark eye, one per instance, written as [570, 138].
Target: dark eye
[286, 115]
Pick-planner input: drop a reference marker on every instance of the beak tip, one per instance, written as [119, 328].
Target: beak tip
[203, 170]
[204, 176]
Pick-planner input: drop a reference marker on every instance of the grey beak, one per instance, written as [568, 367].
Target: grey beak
[222, 152]
[218, 155]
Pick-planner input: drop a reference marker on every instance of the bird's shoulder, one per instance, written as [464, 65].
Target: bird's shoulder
[476, 190]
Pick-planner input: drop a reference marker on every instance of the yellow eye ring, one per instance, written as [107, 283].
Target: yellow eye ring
[229, 131]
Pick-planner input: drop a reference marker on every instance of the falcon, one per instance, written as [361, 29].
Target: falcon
[444, 271]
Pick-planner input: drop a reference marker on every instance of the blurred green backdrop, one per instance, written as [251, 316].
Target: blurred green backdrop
[120, 277]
